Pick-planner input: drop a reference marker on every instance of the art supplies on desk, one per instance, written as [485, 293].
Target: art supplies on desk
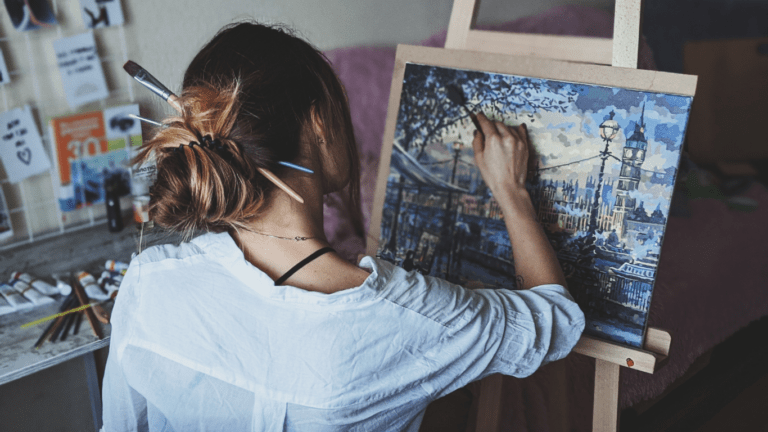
[91, 286]
[30, 293]
[39, 284]
[16, 300]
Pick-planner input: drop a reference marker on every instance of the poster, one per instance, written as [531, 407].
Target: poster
[5, 77]
[604, 164]
[80, 69]
[101, 13]
[30, 14]
[93, 147]
[21, 148]
[91, 174]
[6, 229]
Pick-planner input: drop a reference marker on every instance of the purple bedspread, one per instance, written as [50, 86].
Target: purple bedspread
[713, 274]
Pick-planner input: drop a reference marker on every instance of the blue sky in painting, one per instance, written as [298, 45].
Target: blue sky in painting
[563, 137]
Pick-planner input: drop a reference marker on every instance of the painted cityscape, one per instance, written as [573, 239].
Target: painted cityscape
[601, 182]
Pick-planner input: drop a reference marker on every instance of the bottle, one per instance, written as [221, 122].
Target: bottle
[114, 215]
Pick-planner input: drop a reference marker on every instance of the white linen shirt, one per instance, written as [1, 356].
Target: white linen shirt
[203, 340]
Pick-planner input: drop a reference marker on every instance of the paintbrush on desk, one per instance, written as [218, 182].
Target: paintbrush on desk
[80, 293]
[68, 302]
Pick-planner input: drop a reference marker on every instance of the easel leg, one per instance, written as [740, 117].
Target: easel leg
[92, 381]
[605, 416]
[489, 406]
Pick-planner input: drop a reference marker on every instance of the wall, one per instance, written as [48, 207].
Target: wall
[163, 36]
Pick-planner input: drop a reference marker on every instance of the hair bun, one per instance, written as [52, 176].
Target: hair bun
[204, 179]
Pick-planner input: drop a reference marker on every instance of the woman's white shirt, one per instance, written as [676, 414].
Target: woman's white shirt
[203, 340]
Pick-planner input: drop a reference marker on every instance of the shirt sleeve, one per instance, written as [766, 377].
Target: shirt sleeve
[490, 331]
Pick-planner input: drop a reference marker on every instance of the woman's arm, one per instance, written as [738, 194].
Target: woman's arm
[501, 154]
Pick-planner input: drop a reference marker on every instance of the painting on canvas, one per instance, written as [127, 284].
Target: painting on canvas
[601, 180]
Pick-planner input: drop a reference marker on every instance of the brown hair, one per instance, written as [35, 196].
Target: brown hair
[255, 89]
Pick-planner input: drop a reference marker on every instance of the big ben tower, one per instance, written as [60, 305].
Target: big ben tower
[632, 157]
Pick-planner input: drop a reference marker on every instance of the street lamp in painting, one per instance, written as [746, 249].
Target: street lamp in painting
[608, 131]
[448, 221]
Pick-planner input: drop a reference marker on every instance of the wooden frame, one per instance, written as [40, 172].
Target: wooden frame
[621, 51]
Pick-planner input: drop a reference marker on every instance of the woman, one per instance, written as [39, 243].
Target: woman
[218, 334]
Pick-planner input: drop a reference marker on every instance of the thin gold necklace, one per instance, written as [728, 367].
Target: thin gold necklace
[297, 238]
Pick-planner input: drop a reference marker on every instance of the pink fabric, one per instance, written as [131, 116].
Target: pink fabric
[712, 276]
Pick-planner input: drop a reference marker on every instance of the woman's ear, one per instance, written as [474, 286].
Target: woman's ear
[317, 126]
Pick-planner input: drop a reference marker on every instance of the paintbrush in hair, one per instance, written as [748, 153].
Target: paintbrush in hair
[147, 80]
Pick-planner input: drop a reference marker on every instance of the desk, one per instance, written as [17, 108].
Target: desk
[19, 358]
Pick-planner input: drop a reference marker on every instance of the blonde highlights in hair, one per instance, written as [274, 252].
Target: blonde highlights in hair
[201, 188]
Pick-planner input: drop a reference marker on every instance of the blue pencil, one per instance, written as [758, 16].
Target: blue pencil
[296, 167]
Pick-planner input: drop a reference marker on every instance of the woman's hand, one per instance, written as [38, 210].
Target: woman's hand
[501, 154]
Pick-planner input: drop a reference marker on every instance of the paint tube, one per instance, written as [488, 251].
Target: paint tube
[30, 293]
[63, 287]
[116, 266]
[5, 307]
[39, 284]
[14, 298]
[110, 281]
[91, 287]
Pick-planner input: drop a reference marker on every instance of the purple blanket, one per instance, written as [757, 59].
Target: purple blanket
[712, 275]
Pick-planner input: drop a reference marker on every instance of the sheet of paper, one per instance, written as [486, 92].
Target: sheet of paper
[21, 148]
[30, 14]
[101, 13]
[80, 68]
[5, 77]
[118, 124]
[6, 229]
[92, 145]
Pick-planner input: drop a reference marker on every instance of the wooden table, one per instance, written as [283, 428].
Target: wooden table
[19, 358]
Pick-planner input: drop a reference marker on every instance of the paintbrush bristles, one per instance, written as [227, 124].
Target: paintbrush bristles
[132, 68]
[455, 95]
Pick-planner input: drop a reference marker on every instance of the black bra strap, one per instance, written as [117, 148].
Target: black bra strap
[303, 262]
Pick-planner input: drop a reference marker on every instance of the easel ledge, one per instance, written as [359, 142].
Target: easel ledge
[649, 359]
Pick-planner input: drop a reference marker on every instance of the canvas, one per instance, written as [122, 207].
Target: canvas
[601, 176]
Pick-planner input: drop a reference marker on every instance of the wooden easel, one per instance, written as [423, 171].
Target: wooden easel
[621, 51]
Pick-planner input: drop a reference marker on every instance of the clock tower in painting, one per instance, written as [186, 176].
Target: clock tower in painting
[632, 157]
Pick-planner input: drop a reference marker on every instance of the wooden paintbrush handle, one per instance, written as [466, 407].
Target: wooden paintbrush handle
[279, 183]
[80, 293]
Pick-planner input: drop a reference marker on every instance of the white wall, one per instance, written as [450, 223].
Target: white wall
[164, 35]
